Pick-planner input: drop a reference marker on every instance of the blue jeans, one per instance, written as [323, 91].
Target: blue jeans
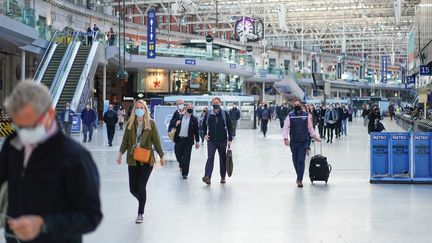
[88, 128]
[221, 147]
[344, 126]
[298, 151]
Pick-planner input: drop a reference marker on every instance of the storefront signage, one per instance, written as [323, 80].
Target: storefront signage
[125, 98]
[425, 70]
[249, 48]
[190, 62]
[156, 82]
[151, 34]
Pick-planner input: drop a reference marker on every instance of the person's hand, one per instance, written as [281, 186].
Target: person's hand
[206, 137]
[178, 123]
[229, 143]
[26, 228]
[287, 142]
[162, 161]
[197, 146]
[119, 159]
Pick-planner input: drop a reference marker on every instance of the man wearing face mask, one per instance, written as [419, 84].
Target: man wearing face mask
[178, 115]
[297, 131]
[53, 182]
[218, 130]
[88, 117]
[186, 135]
[67, 119]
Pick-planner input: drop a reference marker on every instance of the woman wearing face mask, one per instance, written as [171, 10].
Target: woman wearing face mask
[140, 131]
[187, 133]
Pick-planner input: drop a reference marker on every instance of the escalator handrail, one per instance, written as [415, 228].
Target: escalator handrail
[60, 79]
[38, 79]
[82, 82]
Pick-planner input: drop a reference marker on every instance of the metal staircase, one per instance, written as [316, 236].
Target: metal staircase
[73, 77]
[53, 66]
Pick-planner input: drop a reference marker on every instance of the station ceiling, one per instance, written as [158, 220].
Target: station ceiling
[367, 27]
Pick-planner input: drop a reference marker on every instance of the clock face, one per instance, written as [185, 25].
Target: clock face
[244, 28]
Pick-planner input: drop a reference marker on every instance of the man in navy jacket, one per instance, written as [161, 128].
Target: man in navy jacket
[53, 182]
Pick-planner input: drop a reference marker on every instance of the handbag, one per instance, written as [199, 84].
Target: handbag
[172, 133]
[229, 162]
[141, 155]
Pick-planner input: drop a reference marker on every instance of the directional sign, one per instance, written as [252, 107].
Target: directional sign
[411, 79]
[384, 69]
[151, 34]
[233, 66]
[190, 62]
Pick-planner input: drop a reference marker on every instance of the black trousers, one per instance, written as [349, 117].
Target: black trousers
[183, 151]
[110, 132]
[138, 178]
[330, 133]
[321, 131]
[338, 129]
[282, 122]
[221, 147]
[234, 127]
[264, 124]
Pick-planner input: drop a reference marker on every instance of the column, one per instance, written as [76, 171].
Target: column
[263, 91]
[380, 92]
[23, 63]
[104, 84]
[209, 78]
[360, 93]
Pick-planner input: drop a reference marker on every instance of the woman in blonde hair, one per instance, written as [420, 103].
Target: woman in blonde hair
[140, 132]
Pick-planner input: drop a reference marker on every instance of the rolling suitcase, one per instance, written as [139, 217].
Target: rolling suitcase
[319, 168]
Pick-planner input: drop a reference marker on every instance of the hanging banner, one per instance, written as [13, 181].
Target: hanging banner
[151, 34]
[384, 69]
[411, 61]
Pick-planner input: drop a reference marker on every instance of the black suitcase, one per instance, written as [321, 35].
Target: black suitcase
[319, 168]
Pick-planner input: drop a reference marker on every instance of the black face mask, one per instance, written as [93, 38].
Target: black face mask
[297, 108]
[190, 111]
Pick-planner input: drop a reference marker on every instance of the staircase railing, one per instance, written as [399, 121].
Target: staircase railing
[64, 69]
[46, 59]
[297, 88]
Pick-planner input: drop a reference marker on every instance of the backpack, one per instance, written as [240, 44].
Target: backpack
[265, 115]
[223, 117]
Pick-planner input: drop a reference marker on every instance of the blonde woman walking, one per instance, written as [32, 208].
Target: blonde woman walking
[140, 132]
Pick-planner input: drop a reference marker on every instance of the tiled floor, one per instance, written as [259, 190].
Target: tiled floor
[261, 202]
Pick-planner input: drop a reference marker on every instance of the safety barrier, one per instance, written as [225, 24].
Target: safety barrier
[401, 158]
[6, 127]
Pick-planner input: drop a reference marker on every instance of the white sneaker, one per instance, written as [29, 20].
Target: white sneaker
[139, 219]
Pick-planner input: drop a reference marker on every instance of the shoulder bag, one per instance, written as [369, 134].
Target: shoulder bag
[141, 155]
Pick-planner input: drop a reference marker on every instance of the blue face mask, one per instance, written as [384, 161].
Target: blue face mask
[216, 107]
[139, 112]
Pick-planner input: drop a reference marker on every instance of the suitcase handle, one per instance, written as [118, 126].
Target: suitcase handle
[330, 168]
[313, 141]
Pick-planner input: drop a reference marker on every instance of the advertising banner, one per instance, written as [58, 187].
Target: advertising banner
[422, 155]
[411, 57]
[384, 69]
[156, 82]
[76, 123]
[162, 117]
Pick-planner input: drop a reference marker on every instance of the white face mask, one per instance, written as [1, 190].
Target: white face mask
[32, 135]
[181, 106]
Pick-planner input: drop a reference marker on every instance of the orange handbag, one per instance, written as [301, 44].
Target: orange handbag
[141, 155]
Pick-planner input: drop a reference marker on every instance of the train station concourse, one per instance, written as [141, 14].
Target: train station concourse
[215, 121]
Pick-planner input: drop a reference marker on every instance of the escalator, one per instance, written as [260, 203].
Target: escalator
[53, 66]
[73, 78]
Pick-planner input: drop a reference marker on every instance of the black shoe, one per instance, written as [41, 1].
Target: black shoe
[223, 180]
[90, 140]
[206, 180]
[328, 141]
[299, 184]
[184, 177]
[84, 141]
[110, 145]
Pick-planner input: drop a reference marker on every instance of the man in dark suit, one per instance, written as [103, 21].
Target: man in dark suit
[186, 135]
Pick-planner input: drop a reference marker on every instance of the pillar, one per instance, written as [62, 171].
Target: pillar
[104, 83]
[23, 65]
[263, 91]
